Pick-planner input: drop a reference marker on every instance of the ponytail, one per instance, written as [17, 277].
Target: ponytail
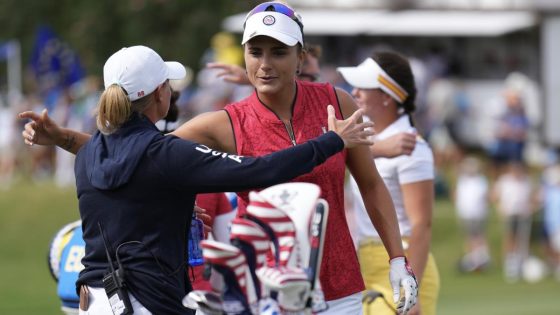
[113, 109]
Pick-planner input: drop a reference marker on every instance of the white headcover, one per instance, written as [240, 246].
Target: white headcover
[291, 283]
[298, 200]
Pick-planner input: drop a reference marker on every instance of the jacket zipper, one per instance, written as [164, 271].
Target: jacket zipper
[290, 131]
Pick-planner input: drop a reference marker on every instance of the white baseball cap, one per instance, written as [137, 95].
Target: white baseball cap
[273, 24]
[139, 70]
[369, 75]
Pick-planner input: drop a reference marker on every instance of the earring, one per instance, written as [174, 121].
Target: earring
[385, 103]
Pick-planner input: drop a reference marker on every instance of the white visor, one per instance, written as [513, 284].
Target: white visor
[369, 75]
[275, 25]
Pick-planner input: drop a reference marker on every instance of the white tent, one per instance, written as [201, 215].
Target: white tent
[348, 22]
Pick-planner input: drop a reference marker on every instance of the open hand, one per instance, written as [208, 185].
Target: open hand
[352, 132]
[230, 73]
[41, 129]
[402, 143]
[206, 219]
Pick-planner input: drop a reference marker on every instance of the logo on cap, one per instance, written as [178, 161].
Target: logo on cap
[269, 20]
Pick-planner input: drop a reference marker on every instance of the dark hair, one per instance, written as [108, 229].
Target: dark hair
[314, 50]
[398, 68]
[173, 112]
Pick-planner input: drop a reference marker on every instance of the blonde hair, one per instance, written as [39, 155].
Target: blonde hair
[114, 108]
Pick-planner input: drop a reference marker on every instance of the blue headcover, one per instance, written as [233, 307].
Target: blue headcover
[65, 255]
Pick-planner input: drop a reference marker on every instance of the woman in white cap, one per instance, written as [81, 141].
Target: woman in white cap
[384, 87]
[136, 187]
[281, 113]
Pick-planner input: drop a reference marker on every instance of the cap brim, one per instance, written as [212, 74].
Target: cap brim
[359, 77]
[279, 26]
[281, 37]
[175, 70]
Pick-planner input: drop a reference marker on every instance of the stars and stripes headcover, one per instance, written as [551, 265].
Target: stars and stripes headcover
[277, 223]
[239, 296]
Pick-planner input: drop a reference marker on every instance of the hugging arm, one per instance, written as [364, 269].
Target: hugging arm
[42, 130]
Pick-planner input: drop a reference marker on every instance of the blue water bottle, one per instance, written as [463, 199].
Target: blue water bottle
[195, 236]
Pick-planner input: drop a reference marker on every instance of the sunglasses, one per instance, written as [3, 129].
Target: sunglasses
[276, 7]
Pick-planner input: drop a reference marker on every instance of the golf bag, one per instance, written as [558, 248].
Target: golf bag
[64, 259]
[273, 264]
[66, 251]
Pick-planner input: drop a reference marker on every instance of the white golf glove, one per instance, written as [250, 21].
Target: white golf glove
[402, 276]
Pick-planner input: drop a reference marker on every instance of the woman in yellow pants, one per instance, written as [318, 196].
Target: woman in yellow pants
[384, 87]
[373, 258]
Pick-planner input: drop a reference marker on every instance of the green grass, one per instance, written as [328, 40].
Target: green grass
[484, 293]
[30, 214]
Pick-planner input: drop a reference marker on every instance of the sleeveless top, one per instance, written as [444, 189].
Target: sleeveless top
[259, 131]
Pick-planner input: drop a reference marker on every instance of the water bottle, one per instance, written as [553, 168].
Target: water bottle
[195, 236]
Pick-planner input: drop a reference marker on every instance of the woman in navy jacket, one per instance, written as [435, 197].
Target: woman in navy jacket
[140, 185]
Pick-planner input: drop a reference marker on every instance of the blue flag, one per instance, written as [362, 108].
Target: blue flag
[54, 63]
[5, 50]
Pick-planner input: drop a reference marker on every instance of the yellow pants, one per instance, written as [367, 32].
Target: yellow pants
[374, 262]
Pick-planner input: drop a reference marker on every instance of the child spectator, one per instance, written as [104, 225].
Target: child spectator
[512, 194]
[471, 202]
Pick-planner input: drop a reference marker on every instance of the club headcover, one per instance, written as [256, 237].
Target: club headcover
[298, 201]
[276, 223]
[254, 243]
[292, 285]
[239, 295]
[310, 216]
[207, 303]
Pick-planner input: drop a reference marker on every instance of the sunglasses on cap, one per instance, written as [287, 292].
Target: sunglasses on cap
[276, 7]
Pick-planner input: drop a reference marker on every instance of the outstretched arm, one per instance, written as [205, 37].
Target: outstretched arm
[230, 73]
[43, 130]
[212, 129]
[193, 165]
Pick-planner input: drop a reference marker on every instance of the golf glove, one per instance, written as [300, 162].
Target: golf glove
[402, 276]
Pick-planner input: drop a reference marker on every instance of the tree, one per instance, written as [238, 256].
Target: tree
[178, 29]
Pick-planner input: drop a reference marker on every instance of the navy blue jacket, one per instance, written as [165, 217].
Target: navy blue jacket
[141, 186]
